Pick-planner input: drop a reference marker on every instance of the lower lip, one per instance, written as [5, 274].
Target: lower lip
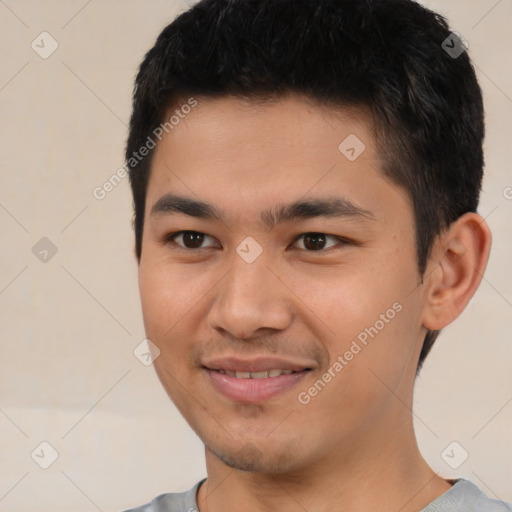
[253, 390]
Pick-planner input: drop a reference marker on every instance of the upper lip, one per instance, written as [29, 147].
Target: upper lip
[260, 364]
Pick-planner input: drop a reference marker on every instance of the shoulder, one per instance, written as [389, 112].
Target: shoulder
[465, 496]
[172, 502]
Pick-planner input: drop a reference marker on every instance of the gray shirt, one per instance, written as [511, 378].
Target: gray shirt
[463, 496]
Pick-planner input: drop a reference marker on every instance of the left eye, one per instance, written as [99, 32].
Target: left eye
[317, 241]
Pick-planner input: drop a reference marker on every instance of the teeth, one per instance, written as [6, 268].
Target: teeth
[256, 375]
[259, 375]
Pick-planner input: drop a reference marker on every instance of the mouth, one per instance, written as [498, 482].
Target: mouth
[254, 381]
[257, 375]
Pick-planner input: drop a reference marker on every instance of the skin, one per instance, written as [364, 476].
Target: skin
[352, 447]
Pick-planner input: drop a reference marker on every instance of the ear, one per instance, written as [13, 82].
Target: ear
[455, 270]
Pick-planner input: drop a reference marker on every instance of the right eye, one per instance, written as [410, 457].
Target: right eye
[190, 240]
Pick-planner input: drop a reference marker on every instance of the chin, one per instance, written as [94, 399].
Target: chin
[252, 459]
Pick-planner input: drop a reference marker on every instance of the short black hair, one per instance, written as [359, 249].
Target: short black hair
[389, 58]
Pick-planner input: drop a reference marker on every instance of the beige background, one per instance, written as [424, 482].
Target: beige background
[69, 326]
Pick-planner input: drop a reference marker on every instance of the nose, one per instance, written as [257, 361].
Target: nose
[251, 300]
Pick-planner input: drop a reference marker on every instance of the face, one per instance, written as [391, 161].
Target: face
[279, 281]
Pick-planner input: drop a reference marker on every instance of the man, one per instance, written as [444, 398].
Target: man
[305, 176]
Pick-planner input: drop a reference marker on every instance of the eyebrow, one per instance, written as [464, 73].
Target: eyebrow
[336, 207]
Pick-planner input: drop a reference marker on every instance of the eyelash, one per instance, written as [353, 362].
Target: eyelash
[341, 241]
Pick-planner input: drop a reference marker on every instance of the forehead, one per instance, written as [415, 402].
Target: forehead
[243, 153]
[277, 122]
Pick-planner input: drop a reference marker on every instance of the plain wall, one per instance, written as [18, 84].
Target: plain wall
[68, 375]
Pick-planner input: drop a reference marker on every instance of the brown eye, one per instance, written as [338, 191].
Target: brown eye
[192, 239]
[317, 241]
[189, 239]
[314, 241]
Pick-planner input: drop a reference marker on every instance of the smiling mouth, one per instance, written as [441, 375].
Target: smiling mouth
[257, 379]
[258, 375]
[251, 387]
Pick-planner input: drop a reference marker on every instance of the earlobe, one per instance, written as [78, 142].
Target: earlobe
[456, 269]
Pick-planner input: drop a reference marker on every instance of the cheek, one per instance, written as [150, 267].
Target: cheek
[367, 375]
[168, 299]
[372, 319]
[167, 294]
[348, 299]
[156, 296]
